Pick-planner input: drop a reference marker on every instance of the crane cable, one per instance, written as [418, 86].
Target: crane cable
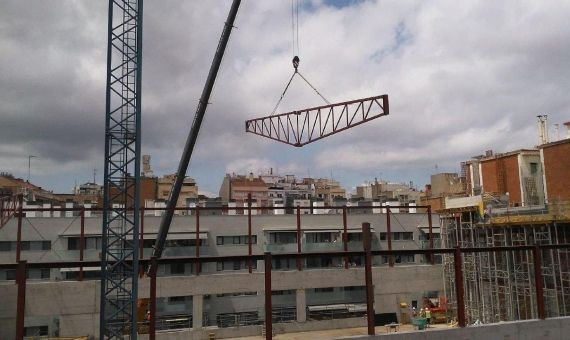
[296, 60]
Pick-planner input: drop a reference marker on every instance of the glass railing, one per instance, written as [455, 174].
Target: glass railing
[323, 246]
[281, 248]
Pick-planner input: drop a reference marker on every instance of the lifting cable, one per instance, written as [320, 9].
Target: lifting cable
[296, 60]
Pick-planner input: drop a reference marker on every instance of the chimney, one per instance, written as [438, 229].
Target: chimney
[567, 124]
[542, 129]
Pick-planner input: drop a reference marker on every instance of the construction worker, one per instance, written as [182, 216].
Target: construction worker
[428, 316]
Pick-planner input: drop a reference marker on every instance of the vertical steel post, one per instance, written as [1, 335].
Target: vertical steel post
[152, 309]
[367, 245]
[141, 243]
[21, 301]
[19, 233]
[249, 249]
[345, 236]
[268, 304]
[389, 236]
[538, 282]
[198, 266]
[299, 260]
[430, 233]
[459, 291]
[81, 242]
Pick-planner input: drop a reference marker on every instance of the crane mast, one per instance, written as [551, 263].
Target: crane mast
[120, 231]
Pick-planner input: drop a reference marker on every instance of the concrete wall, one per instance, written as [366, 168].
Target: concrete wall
[551, 329]
[76, 304]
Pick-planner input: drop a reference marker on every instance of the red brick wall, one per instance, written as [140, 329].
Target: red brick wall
[557, 171]
[509, 166]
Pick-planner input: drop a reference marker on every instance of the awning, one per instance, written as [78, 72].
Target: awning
[76, 269]
[351, 307]
[179, 236]
[151, 236]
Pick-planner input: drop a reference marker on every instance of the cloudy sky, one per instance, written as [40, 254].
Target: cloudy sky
[462, 76]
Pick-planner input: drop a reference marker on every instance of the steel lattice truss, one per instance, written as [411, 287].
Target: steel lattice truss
[302, 127]
[119, 262]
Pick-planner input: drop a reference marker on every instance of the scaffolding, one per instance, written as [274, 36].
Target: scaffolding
[499, 285]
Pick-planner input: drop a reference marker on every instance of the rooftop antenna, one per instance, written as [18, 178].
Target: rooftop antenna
[94, 176]
[30, 165]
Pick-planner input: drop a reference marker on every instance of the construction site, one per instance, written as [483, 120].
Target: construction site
[487, 257]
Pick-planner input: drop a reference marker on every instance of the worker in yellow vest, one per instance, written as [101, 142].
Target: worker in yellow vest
[428, 316]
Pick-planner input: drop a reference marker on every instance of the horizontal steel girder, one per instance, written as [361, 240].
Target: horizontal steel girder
[302, 127]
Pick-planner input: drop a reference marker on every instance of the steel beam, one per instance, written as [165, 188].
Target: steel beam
[299, 128]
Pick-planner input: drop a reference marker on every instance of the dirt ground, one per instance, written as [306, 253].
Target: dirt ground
[338, 333]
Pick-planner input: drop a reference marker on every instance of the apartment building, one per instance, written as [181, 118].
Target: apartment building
[555, 160]
[515, 175]
[227, 295]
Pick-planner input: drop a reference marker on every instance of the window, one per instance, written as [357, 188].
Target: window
[11, 274]
[183, 243]
[73, 243]
[324, 290]
[5, 245]
[323, 237]
[283, 292]
[36, 331]
[283, 238]
[354, 237]
[237, 294]
[235, 265]
[44, 273]
[177, 300]
[46, 245]
[25, 245]
[177, 268]
[235, 240]
[533, 168]
[398, 236]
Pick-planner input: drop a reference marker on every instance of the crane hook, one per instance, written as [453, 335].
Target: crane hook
[296, 61]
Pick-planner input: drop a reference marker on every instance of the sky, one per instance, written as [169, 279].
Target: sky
[462, 77]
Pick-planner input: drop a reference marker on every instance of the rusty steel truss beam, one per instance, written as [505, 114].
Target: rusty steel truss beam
[305, 126]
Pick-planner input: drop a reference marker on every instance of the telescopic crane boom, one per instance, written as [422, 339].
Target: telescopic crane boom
[193, 135]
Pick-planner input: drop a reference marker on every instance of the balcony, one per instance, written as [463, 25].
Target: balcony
[322, 246]
[280, 247]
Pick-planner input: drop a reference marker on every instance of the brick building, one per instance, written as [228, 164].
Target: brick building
[516, 174]
[555, 159]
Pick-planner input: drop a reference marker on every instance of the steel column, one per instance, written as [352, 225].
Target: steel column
[389, 236]
[81, 241]
[430, 233]
[197, 265]
[21, 301]
[19, 232]
[459, 291]
[249, 248]
[299, 260]
[345, 236]
[367, 245]
[152, 309]
[538, 282]
[268, 303]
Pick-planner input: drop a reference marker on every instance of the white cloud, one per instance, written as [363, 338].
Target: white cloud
[462, 76]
